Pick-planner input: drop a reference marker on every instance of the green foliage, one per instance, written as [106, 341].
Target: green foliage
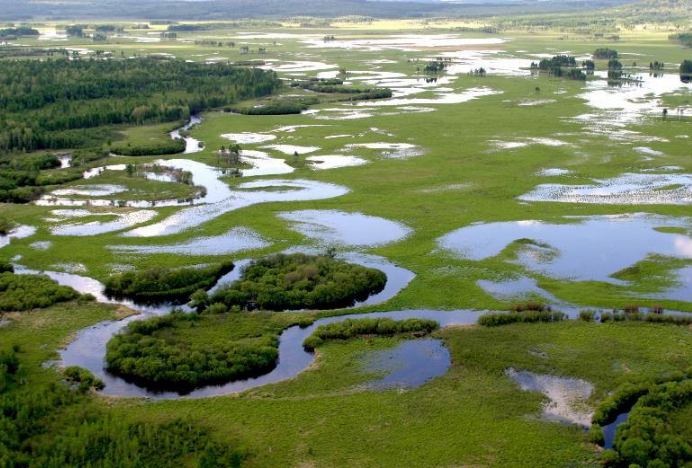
[26, 292]
[157, 283]
[18, 32]
[587, 315]
[368, 326]
[299, 281]
[171, 146]
[90, 435]
[151, 354]
[605, 53]
[83, 377]
[52, 103]
[528, 316]
[682, 38]
[21, 177]
[5, 226]
[277, 107]
[686, 71]
[637, 316]
[648, 438]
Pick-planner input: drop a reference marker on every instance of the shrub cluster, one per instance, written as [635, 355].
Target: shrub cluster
[300, 281]
[637, 316]
[648, 438]
[84, 378]
[150, 354]
[605, 53]
[25, 292]
[91, 435]
[528, 316]
[171, 146]
[157, 284]
[352, 328]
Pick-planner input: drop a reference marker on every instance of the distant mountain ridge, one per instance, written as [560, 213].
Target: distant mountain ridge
[13, 10]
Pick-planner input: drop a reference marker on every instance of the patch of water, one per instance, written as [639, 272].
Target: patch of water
[248, 138]
[568, 397]
[391, 150]
[94, 228]
[334, 161]
[263, 164]
[41, 245]
[610, 430]
[585, 248]
[524, 142]
[627, 189]
[246, 194]
[96, 190]
[19, 232]
[236, 240]
[292, 149]
[440, 98]
[338, 228]
[192, 145]
[553, 171]
[402, 42]
[409, 365]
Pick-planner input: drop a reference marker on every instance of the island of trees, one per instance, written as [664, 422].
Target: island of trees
[170, 284]
[297, 281]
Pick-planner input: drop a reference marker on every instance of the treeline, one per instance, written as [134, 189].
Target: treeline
[352, 328]
[55, 426]
[172, 146]
[150, 354]
[22, 179]
[25, 292]
[18, 32]
[300, 281]
[336, 86]
[50, 104]
[276, 107]
[157, 284]
[682, 38]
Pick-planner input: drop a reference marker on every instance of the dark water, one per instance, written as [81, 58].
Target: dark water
[610, 430]
[410, 364]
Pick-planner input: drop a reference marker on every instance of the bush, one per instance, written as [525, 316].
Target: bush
[25, 292]
[531, 316]
[156, 284]
[351, 328]
[299, 281]
[587, 315]
[150, 354]
[84, 378]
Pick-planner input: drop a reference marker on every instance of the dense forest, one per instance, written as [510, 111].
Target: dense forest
[152, 354]
[299, 281]
[26, 292]
[157, 284]
[54, 104]
[90, 434]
